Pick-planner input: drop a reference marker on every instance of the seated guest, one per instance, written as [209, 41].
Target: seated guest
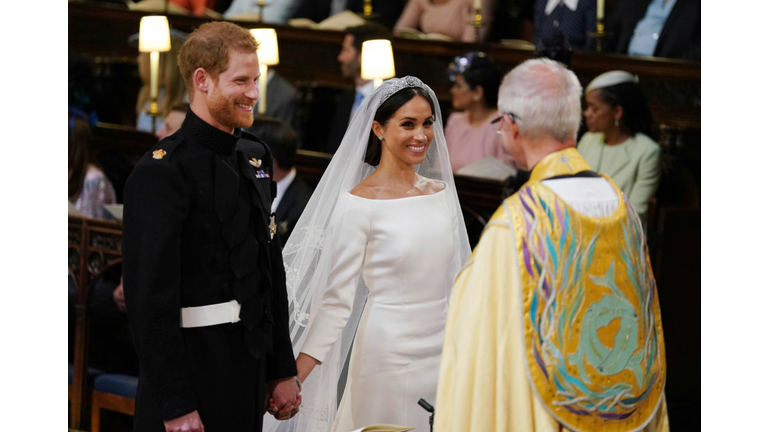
[350, 61]
[452, 18]
[292, 192]
[278, 12]
[574, 19]
[111, 346]
[172, 122]
[89, 187]
[281, 99]
[469, 132]
[659, 28]
[617, 143]
[385, 12]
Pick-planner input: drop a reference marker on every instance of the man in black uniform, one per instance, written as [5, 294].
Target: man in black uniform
[203, 278]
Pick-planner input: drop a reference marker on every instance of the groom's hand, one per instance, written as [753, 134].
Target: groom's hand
[286, 412]
[284, 399]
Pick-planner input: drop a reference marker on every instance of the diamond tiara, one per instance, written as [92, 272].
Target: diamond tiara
[396, 84]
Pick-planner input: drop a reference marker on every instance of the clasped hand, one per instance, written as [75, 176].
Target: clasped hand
[283, 398]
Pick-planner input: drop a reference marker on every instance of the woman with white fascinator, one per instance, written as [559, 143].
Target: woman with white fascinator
[372, 260]
[618, 142]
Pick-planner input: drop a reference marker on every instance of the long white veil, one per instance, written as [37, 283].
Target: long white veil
[307, 267]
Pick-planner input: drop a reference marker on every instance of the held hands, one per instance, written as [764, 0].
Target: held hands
[187, 423]
[284, 398]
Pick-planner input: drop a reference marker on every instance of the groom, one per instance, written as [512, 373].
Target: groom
[203, 276]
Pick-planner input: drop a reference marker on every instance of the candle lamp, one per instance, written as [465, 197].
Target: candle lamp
[600, 33]
[154, 38]
[261, 10]
[377, 61]
[268, 56]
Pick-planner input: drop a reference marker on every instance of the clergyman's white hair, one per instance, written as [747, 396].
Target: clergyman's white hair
[546, 97]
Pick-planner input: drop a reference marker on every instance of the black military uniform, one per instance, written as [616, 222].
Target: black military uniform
[196, 232]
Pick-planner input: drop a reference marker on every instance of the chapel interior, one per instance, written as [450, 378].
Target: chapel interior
[104, 73]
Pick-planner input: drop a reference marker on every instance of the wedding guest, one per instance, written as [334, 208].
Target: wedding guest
[469, 132]
[89, 187]
[452, 18]
[658, 28]
[618, 142]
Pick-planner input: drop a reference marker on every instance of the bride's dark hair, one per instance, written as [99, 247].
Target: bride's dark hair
[385, 113]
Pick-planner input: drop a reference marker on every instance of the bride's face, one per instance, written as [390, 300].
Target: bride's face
[408, 134]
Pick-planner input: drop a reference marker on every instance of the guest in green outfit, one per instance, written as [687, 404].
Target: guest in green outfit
[617, 143]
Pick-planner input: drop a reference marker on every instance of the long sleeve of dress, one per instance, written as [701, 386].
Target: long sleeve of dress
[648, 177]
[156, 206]
[351, 240]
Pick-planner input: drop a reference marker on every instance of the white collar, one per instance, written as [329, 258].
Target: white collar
[552, 4]
[366, 90]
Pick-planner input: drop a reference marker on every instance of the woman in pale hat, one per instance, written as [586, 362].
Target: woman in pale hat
[618, 142]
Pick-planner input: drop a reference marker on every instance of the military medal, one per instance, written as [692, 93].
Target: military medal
[255, 162]
[272, 227]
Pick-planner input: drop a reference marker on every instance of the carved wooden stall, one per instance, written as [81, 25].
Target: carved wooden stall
[94, 246]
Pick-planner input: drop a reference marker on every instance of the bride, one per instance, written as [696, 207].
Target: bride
[372, 260]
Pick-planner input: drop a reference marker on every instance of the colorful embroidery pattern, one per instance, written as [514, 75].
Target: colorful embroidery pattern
[592, 326]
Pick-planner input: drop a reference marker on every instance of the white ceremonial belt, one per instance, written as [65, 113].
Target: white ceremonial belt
[203, 316]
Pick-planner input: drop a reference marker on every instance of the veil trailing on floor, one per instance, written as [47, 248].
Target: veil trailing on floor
[308, 253]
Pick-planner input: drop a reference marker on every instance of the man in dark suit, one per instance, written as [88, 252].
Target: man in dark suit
[659, 28]
[203, 277]
[292, 192]
[350, 61]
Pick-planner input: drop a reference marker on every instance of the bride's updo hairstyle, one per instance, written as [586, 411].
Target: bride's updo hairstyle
[384, 114]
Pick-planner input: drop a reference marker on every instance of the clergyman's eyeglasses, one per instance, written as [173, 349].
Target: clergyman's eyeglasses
[512, 116]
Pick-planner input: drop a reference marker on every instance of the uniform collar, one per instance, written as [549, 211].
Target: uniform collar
[198, 130]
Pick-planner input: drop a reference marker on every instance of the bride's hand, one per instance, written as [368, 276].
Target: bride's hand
[304, 364]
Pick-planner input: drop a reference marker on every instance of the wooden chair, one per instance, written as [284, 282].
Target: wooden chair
[112, 392]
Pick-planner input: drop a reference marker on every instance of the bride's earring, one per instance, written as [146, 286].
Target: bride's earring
[381, 138]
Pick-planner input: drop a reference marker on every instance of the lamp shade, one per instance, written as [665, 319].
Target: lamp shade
[377, 60]
[154, 34]
[267, 39]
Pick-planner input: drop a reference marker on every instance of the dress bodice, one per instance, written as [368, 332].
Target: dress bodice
[409, 242]
[403, 249]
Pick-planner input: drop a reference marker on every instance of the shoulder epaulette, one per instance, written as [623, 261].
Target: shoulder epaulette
[165, 147]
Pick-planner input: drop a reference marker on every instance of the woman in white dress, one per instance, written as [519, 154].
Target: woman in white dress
[373, 259]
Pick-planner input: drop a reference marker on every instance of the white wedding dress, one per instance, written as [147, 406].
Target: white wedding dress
[403, 249]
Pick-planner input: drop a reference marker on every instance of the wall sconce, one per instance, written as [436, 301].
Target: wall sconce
[378, 63]
[268, 56]
[154, 38]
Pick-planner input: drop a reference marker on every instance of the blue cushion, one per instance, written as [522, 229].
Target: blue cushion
[122, 385]
[92, 374]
